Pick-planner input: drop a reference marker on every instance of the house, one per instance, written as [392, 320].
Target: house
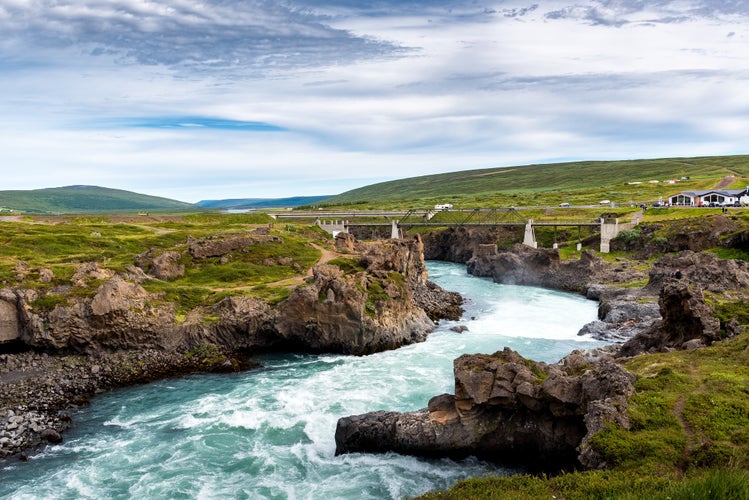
[714, 197]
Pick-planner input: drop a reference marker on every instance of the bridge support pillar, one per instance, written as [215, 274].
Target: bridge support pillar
[610, 230]
[395, 232]
[530, 236]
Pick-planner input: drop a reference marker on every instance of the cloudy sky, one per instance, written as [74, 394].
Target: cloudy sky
[215, 99]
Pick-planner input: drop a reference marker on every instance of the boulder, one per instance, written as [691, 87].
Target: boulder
[167, 266]
[506, 409]
[221, 245]
[90, 271]
[345, 242]
[686, 318]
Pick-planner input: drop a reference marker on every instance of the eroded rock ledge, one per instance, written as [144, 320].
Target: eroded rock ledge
[123, 334]
[506, 409]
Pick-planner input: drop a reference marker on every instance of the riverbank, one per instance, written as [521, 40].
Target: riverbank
[39, 391]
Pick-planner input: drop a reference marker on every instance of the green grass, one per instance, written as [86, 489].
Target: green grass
[711, 484]
[347, 265]
[64, 243]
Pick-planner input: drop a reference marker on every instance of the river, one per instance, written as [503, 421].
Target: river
[269, 433]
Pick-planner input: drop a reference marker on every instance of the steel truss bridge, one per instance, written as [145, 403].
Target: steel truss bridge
[435, 218]
[335, 222]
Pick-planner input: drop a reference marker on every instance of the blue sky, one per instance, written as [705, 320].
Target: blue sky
[197, 100]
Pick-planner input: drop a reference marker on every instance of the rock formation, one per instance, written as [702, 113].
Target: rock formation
[704, 269]
[366, 311]
[538, 267]
[460, 244]
[622, 313]
[687, 322]
[506, 409]
[381, 307]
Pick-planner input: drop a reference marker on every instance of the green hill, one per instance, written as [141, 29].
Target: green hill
[81, 199]
[574, 178]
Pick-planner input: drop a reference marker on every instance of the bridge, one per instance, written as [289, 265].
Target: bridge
[340, 221]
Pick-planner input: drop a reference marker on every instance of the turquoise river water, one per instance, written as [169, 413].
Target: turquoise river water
[269, 433]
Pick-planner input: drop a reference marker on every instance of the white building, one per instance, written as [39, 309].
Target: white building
[714, 197]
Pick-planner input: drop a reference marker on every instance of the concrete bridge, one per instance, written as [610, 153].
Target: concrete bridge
[340, 221]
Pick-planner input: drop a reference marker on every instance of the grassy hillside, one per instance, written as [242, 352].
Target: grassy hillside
[79, 199]
[576, 182]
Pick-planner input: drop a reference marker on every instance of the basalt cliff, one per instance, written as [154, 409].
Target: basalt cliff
[63, 345]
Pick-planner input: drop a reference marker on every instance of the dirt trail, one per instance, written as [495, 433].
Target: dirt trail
[725, 182]
[327, 256]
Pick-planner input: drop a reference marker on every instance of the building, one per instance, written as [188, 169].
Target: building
[712, 197]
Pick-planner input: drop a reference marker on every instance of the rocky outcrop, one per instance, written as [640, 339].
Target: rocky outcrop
[704, 269]
[90, 271]
[121, 315]
[460, 244]
[687, 322]
[161, 265]
[539, 267]
[695, 234]
[381, 307]
[622, 313]
[363, 312]
[505, 409]
[220, 245]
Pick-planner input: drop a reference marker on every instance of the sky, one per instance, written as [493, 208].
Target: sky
[216, 99]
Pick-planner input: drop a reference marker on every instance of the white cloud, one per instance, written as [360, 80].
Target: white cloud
[395, 90]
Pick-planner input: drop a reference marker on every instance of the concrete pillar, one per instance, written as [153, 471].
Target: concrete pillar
[608, 232]
[530, 236]
[395, 231]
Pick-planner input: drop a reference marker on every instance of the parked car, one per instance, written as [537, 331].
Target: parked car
[564, 205]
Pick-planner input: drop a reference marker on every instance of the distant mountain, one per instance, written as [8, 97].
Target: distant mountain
[82, 199]
[294, 201]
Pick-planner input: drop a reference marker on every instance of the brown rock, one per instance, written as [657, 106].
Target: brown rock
[167, 266]
[546, 413]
